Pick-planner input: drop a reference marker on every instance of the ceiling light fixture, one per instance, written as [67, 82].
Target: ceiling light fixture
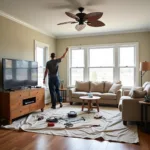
[79, 27]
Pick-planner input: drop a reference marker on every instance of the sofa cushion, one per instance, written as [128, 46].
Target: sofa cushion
[108, 96]
[96, 94]
[105, 95]
[97, 87]
[78, 94]
[114, 88]
[125, 97]
[147, 89]
[133, 89]
[107, 86]
[82, 86]
[138, 94]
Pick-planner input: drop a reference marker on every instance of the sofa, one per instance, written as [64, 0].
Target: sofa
[129, 103]
[109, 92]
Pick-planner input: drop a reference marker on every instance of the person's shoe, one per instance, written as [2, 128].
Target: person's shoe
[61, 105]
[53, 107]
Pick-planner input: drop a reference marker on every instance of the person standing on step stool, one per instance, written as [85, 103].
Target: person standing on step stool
[53, 82]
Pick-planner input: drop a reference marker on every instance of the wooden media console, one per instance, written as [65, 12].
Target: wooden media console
[14, 104]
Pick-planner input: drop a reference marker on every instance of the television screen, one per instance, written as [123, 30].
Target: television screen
[19, 73]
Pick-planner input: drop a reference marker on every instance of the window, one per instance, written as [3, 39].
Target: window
[127, 65]
[104, 63]
[77, 65]
[41, 56]
[103, 68]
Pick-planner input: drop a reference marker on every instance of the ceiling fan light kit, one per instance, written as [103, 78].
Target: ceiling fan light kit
[91, 19]
[79, 27]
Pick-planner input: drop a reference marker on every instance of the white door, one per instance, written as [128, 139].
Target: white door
[41, 56]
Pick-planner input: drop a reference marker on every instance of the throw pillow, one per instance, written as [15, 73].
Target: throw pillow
[82, 86]
[114, 88]
[138, 94]
[133, 89]
[147, 89]
[146, 83]
[97, 87]
[107, 86]
[118, 82]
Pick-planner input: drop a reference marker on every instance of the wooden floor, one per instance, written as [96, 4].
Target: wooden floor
[20, 140]
[14, 140]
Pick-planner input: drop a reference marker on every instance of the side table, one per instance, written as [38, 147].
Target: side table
[144, 114]
[63, 94]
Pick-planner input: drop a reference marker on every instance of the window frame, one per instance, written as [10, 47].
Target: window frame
[116, 61]
[136, 62]
[45, 59]
[88, 58]
[70, 64]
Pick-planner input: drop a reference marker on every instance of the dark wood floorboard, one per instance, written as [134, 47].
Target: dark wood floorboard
[20, 140]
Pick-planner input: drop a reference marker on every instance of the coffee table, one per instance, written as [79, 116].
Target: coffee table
[90, 100]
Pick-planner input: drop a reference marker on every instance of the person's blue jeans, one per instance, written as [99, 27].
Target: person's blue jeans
[54, 90]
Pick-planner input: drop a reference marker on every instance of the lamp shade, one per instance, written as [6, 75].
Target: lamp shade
[144, 66]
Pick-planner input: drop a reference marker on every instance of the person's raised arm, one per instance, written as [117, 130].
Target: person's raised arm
[63, 56]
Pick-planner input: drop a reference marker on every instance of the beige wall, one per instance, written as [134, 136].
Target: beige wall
[143, 38]
[17, 41]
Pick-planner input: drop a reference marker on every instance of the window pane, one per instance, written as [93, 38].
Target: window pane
[40, 76]
[127, 76]
[101, 57]
[40, 54]
[127, 56]
[76, 75]
[101, 74]
[77, 58]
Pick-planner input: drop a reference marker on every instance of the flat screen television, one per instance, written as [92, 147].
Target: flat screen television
[19, 73]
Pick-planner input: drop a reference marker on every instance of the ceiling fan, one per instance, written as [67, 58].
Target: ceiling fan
[91, 19]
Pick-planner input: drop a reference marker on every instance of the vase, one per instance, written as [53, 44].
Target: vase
[61, 86]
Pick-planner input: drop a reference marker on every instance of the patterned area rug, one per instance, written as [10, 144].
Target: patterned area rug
[110, 127]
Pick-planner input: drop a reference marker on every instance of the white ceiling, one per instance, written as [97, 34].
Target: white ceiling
[119, 15]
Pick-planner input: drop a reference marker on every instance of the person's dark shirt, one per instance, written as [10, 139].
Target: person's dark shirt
[52, 66]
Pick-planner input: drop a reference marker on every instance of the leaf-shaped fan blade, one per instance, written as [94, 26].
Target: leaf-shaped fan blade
[93, 16]
[72, 15]
[96, 24]
[66, 22]
[80, 27]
